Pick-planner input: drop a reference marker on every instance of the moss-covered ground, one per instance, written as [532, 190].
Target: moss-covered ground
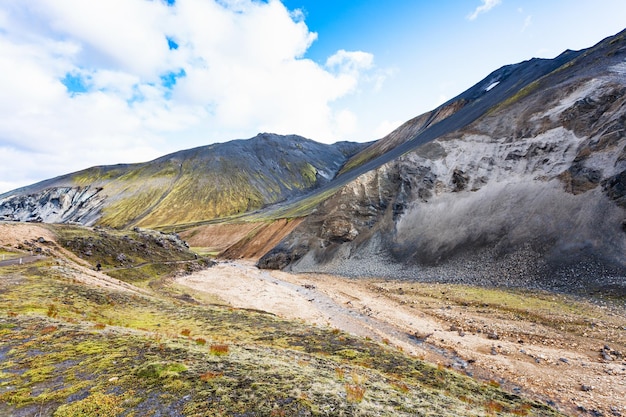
[69, 349]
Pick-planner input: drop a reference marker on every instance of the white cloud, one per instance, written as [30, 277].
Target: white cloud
[484, 8]
[527, 22]
[238, 69]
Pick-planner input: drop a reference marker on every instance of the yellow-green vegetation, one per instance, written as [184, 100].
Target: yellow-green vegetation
[523, 92]
[561, 312]
[205, 252]
[96, 405]
[163, 194]
[5, 254]
[361, 158]
[95, 174]
[309, 174]
[212, 196]
[129, 208]
[300, 208]
[70, 349]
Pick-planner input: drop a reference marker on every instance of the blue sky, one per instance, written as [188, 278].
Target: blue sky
[112, 81]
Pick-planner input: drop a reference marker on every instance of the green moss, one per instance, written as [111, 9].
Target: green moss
[309, 174]
[89, 347]
[161, 370]
[522, 93]
[96, 405]
[146, 360]
[359, 159]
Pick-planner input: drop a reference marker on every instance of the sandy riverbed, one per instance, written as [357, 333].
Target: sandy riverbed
[526, 356]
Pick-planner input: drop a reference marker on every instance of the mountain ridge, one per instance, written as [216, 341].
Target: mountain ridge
[471, 183]
[213, 181]
[476, 204]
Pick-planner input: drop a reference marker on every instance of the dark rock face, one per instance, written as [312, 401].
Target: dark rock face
[579, 179]
[615, 188]
[459, 180]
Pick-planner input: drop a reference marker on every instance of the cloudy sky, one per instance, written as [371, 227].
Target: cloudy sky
[99, 82]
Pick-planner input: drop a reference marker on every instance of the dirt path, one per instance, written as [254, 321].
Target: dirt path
[21, 260]
[528, 355]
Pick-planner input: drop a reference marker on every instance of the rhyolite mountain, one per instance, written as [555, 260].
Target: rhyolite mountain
[520, 180]
[209, 182]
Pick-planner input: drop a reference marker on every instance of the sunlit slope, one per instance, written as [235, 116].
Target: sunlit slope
[216, 181]
[76, 342]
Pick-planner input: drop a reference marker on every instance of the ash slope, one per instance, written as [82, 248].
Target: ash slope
[524, 184]
[210, 182]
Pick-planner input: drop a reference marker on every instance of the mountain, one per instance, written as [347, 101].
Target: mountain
[519, 181]
[205, 183]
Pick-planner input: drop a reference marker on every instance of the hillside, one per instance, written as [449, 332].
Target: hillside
[77, 342]
[211, 182]
[528, 193]
[519, 181]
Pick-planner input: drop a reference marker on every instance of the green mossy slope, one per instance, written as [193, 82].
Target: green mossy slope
[69, 349]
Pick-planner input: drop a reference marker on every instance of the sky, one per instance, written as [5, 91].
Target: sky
[100, 82]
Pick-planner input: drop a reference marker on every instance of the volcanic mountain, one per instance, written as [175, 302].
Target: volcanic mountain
[520, 180]
[211, 182]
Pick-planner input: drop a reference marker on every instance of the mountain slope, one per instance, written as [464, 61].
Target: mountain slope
[523, 185]
[76, 342]
[200, 184]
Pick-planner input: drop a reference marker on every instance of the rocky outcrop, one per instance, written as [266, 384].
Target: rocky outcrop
[529, 194]
[55, 205]
[615, 188]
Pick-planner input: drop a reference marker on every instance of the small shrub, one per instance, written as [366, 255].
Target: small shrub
[53, 311]
[354, 393]
[48, 329]
[99, 326]
[493, 407]
[493, 383]
[400, 386]
[218, 350]
[185, 332]
[201, 341]
[207, 376]
[466, 399]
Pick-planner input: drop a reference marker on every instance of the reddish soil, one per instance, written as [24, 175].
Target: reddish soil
[241, 240]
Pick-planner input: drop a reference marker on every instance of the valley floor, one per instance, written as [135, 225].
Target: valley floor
[558, 349]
